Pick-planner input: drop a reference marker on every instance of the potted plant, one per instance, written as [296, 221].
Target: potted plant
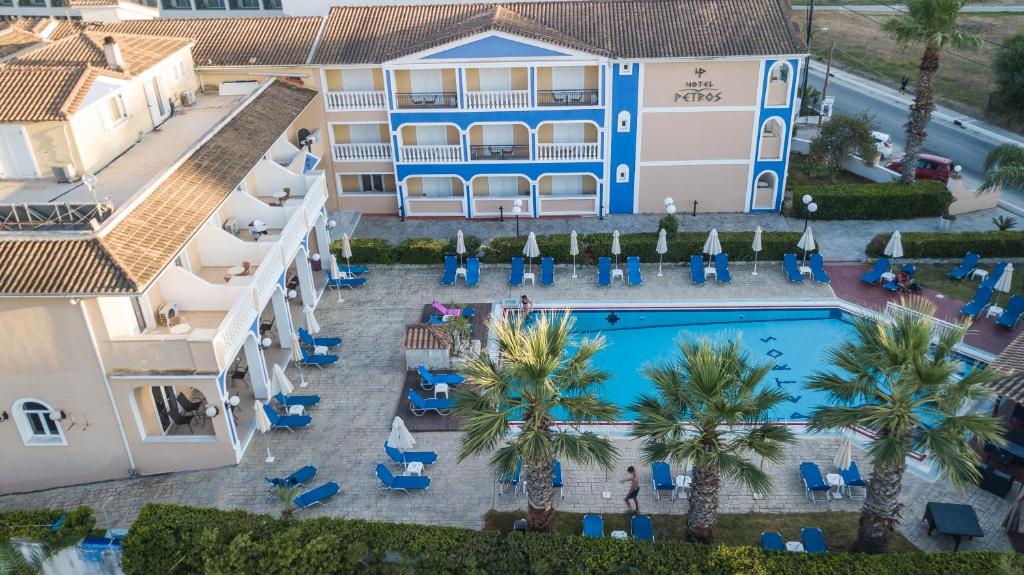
[287, 495]
[946, 219]
[459, 328]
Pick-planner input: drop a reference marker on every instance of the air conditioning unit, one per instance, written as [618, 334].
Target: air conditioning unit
[167, 313]
[65, 174]
[188, 98]
[231, 225]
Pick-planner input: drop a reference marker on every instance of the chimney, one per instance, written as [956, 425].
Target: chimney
[113, 53]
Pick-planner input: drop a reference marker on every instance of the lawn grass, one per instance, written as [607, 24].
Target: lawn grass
[933, 277]
[733, 529]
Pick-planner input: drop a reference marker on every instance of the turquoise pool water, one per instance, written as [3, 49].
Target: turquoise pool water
[795, 340]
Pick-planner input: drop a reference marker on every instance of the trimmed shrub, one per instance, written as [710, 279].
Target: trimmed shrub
[366, 251]
[421, 251]
[953, 245]
[669, 223]
[501, 250]
[175, 540]
[34, 524]
[473, 244]
[684, 244]
[883, 201]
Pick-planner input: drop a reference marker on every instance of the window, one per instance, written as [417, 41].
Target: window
[32, 3]
[114, 111]
[764, 191]
[209, 4]
[178, 4]
[163, 411]
[371, 183]
[780, 72]
[367, 183]
[38, 423]
[622, 174]
[771, 140]
[625, 69]
[245, 4]
[624, 121]
[140, 316]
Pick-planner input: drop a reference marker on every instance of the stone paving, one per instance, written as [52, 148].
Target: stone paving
[839, 240]
[360, 394]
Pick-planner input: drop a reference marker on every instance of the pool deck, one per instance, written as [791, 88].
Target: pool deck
[349, 427]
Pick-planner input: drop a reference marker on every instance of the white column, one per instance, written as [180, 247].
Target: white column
[257, 368]
[306, 286]
[283, 318]
[323, 239]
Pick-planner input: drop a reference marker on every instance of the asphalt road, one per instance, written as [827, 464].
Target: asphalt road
[944, 138]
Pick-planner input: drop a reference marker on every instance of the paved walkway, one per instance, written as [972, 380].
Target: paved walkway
[346, 438]
[838, 240]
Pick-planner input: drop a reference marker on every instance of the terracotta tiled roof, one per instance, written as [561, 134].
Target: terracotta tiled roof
[616, 28]
[37, 26]
[128, 257]
[268, 41]
[140, 52]
[424, 336]
[1011, 361]
[44, 93]
[13, 40]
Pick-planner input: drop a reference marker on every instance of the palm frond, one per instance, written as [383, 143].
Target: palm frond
[586, 448]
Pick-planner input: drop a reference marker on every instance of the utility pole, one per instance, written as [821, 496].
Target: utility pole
[828, 70]
[807, 60]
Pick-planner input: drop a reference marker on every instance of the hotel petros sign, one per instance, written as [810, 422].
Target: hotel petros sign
[700, 91]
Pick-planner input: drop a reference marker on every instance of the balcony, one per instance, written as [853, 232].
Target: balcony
[568, 152]
[344, 101]
[498, 100]
[426, 100]
[430, 144]
[372, 152]
[439, 154]
[581, 97]
[499, 152]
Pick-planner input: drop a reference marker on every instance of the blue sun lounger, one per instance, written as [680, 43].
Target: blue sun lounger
[407, 483]
[311, 341]
[813, 540]
[95, 544]
[305, 400]
[852, 479]
[772, 541]
[813, 481]
[1011, 315]
[604, 271]
[547, 271]
[642, 527]
[966, 267]
[892, 285]
[299, 477]
[979, 303]
[420, 405]
[593, 526]
[448, 275]
[515, 277]
[875, 275]
[472, 273]
[661, 476]
[337, 283]
[556, 478]
[407, 457]
[317, 360]
[317, 495]
[286, 421]
[722, 269]
[697, 270]
[354, 270]
[633, 276]
[429, 379]
[512, 481]
[818, 268]
[993, 278]
[790, 267]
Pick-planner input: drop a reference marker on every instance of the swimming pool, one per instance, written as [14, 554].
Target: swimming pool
[794, 340]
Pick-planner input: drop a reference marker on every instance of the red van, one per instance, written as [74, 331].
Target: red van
[929, 167]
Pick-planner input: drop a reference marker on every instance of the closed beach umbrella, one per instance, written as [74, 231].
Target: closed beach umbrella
[756, 246]
[281, 381]
[574, 250]
[531, 250]
[616, 248]
[400, 437]
[262, 421]
[335, 272]
[1005, 283]
[806, 243]
[844, 457]
[296, 348]
[346, 251]
[894, 249]
[712, 246]
[311, 324]
[661, 248]
[460, 246]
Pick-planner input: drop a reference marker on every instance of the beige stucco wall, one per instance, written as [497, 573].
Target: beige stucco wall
[718, 188]
[490, 206]
[520, 79]
[723, 83]
[51, 146]
[696, 136]
[341, 133]
[520, 135]
[778, 94]
[48, 355]
[370, 204]
[481, 188]
[589, 185]
[414, 187]
[546, 132]
[591, 78]
[408, 135]
[336, 82]
[562, 205]
[403, 82]
[350, 183]
[433, 207]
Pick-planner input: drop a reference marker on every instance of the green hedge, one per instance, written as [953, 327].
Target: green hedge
[176, 540]
[420, 251]
[367, 251]
[954, 245]
[34, 524]
[883, 201]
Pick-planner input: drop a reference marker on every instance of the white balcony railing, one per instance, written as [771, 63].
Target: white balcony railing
[431, 154]
[498, 100]
[236, 324]
[338, 101]
[568, 152]
[362, 152]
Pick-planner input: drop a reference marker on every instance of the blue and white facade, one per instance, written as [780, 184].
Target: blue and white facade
[478, 126]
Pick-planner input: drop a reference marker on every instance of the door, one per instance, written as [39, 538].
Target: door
[16, 158]
[567, 78]
[156, 98]
[357, 80]
[431, 135]
[498, 135]
[495, 79]
[364, 133]
[425, 81]
[568, 134]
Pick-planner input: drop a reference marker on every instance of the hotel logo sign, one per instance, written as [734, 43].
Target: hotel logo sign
[699, 91]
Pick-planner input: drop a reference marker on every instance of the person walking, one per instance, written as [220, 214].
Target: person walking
[634, 490]
[903, 84]
[526, 304]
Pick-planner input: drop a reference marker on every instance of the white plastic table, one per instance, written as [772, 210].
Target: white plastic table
[979, 273]
[888, 276]
[619, 535]
[414, 468]
[528, 277]
[683, 484]
[805, 270]
[994, 311]
[835, 482]
[460, 272]
[296, 410]
[617, 273]
[710, 272]
[794, 546]
[441, 389]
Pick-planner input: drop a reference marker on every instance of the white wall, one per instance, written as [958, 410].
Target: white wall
[271, 177]
[193, 293]
[247, 208]
[218, 248]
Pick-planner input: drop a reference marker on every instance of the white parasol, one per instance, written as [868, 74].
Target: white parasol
[574, 250]
[756, 246]
[661, 248]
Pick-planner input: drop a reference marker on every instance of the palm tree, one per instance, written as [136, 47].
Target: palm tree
[898, 380]
[539, 378]
[934, 24]
[700, 396]
[1004, 166]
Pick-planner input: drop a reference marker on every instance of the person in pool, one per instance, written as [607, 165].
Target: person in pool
[526, 304]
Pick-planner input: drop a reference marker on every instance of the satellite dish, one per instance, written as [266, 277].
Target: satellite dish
[90, 180]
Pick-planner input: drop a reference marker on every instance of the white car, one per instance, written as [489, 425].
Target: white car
[884, 144]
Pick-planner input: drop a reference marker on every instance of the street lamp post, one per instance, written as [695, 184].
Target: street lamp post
[807, 61]
[517, 208]
[811, 207]
[670, 209]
